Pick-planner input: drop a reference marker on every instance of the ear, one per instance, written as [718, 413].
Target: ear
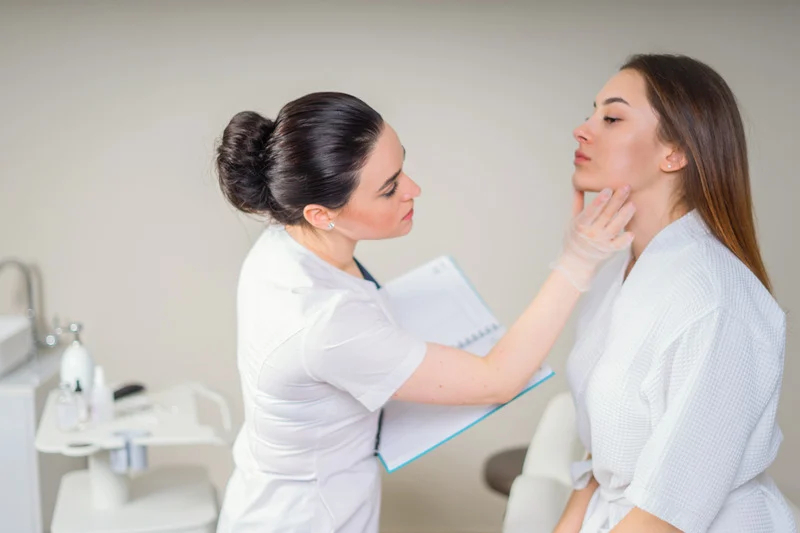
[318, 216]
[674, 161]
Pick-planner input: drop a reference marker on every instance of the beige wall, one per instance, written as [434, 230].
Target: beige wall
[110, 112]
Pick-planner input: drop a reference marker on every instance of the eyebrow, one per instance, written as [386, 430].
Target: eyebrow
[612, 100]
[395, 175]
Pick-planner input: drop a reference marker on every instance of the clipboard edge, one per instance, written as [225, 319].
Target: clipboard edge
[465, 428]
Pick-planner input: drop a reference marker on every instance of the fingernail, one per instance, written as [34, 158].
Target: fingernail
[606, 192]
[626, 189]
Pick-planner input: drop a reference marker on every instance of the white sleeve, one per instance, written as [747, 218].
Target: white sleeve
[581, 473]
[720, 380]
[357, 348]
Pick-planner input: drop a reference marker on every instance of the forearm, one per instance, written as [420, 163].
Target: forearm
[451, 376]
[572, 517]
[529, 340]
[593, 237]
[638, 520]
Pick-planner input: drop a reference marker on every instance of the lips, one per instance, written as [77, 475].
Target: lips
[580, 157]
[409, 215]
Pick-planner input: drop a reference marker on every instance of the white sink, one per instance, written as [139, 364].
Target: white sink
[16, 342]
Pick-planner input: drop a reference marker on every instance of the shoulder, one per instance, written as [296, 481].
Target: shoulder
[336, 315]
[276, 262]
[709, 281]
[276, 259]
[282, 283]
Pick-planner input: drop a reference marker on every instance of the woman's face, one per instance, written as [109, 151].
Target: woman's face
[618, 143]
[382, 206]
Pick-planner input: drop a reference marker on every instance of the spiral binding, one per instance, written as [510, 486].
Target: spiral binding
[477, 336]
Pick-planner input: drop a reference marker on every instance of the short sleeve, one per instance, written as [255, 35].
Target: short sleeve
[357, 348]
[581, 473]
[720, 385]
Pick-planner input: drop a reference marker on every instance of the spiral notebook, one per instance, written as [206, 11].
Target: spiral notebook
[438, 303]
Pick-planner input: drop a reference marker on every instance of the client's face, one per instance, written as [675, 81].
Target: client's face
[618, 144]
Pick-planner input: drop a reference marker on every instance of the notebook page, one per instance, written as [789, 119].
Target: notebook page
[437, 303]
[410, 430]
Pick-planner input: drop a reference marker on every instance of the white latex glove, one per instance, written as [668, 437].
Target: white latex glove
[595, 234]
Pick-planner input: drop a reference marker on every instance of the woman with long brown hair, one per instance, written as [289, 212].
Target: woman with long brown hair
[677, 367]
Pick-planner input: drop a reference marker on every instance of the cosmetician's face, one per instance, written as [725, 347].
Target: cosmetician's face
[382, 206]
[618, 144]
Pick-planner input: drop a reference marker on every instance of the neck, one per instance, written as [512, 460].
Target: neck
[655, 210]
[331, 247]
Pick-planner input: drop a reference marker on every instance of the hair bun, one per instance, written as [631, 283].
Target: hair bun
[242, 161]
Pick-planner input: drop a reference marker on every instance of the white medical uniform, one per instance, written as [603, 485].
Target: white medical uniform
[676, 375]
[318, 355]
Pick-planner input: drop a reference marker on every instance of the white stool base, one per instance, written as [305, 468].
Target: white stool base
[164, 500]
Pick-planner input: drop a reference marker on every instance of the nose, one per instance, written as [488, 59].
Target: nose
[412, 190]
[582, 134]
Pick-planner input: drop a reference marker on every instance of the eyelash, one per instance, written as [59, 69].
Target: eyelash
[608, 119]
[392, 191]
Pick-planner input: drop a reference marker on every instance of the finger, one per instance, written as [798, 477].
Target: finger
[596, 207]
[623, 241]
[577, 203]
[621, 219]
[612, 207]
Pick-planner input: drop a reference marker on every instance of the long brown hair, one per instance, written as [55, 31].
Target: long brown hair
[698, 114]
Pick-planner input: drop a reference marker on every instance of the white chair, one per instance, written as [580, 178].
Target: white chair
[539, 494]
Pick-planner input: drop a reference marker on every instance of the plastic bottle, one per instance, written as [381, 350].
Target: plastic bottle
[76, 363]
[102, 398]
[81, 404]
[66, 409]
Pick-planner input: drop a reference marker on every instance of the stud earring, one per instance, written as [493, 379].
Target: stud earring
[331, 225]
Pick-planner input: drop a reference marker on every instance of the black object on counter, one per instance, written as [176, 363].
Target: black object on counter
[127, 390]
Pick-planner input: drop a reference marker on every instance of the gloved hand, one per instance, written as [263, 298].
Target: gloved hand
[594, 235]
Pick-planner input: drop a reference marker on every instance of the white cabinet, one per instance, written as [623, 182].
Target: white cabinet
[29, 479]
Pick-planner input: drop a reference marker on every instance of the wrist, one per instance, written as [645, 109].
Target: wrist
[579, 273]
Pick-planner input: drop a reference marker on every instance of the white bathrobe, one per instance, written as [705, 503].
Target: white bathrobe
[676, 375]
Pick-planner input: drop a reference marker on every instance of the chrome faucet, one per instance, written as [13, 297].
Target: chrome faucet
[50, 339]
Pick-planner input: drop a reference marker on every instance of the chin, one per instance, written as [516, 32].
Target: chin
[405, 229]
[581, 183]
[584, 182]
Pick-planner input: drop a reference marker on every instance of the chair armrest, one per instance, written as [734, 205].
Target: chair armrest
[535, 505]
[555, 444]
